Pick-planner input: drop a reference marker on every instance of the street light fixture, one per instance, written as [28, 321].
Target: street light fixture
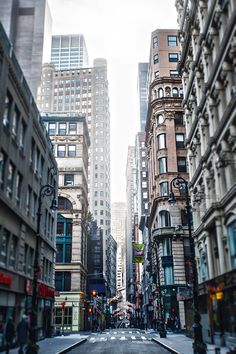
[45, 191]
[199, 347]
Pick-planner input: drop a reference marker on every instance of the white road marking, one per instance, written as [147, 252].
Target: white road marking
[144, 338]
[113, 337]
[133, 337]
[122, 338]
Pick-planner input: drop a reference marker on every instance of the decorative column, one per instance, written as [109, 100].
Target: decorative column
[209, 256]
[219, 234]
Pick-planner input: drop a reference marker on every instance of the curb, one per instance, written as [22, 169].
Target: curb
[166, 346]
[72, 346]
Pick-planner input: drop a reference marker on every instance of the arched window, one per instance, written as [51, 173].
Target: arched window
[160, 119]
[175, 92]
[164, 217]
[181, 92]
[64, 204]
[167, 91]
[160, 93]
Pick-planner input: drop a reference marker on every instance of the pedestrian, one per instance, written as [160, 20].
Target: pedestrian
[22, 333]
[9, 334]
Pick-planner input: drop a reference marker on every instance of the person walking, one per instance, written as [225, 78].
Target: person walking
[22, 333]
[9, 334]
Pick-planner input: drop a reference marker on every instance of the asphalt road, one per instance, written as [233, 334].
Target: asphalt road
[120, 342]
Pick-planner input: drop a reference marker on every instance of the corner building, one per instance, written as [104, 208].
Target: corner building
[208, 63]
[166, 158]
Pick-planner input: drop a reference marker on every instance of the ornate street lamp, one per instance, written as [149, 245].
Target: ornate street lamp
[45, 191]
[199, 347]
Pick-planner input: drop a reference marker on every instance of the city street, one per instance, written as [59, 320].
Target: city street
[120, 341]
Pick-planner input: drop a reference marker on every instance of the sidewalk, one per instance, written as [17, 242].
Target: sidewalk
[58, 345]
[180, 344]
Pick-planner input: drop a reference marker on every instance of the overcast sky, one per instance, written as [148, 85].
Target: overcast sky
[120, 31]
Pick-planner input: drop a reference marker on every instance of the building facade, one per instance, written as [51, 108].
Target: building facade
[143, 93]
[86, 91]
[27, 164]
[28, 26]
[207, 65]
[70, 139]
[69, 52]
[166, 155]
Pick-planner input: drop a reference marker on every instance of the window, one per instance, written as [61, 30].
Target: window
[157, 74]
[181, 92]
[173, 57]
[144, 174]
[72, 128]
[167, 247]
[164, 189]
[181, 164]
[145, 195]
[155, 59]
[179, 120]
[231, 231]
[10, 179]
[184, 217]
[144, 184]
[163, 165]
[52, 128]
[71, 150]
[155, 42]
[161, 141]
[68, 180]
[7, 110]
[65, 318]
[19, 180]
[13, 252]
[64, 204]
[3, 160]
[175, 92]
[160, 93]
[22, 134]
[168, 275]
[61, 150]
[174, 73]
[172, 41]
[4, 240]
[62, 129]
[160, 119]
[15, 122]
[164, 217]
[179, 138]
[63, 281]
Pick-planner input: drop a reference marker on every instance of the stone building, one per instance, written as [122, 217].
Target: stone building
[27, 164]
[70, 139]
[208, 62]
[166, 159]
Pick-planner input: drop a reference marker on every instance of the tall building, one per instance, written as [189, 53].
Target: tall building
[70, 139]
[69, 52]
[118, 231]
[207, 65]
[28, 26]
[166, 158]
[131, 209]
[143, 93]
[86, 91]
[27, 165]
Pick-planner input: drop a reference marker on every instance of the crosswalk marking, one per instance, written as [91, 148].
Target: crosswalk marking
[144, 338]
[113, 337]
[133, 337]
[122, 338]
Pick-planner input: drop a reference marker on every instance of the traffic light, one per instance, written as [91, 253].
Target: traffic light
[90, 310]
[94, 293]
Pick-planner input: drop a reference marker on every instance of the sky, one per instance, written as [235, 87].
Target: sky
[119, 31]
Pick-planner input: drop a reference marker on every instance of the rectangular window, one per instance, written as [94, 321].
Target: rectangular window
[231, 231]
[28, 201]
[13, 252]
[172, 41]
[157, 74]
[164, 189]
[144, 184]
[61, 150]
[179, 119]
[167, 248]
[155, 42]
[7, 110]
[173, 57]
[59, 254]
[60, 228]
[168, 275]
[52, 128]
[4, 240]
[15, 122]
[155, 59]
[62, 129]
[179, 138]
[72, 128]
[174, 73]
[10, 179]
[3, 160]
[163, 165]
[19, 180]
[181, 164]
[68, 180]
[71, 150]
[161, 141]
[22, 134]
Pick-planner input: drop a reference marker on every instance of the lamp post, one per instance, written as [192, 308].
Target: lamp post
[199, 347]
[45, 191]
